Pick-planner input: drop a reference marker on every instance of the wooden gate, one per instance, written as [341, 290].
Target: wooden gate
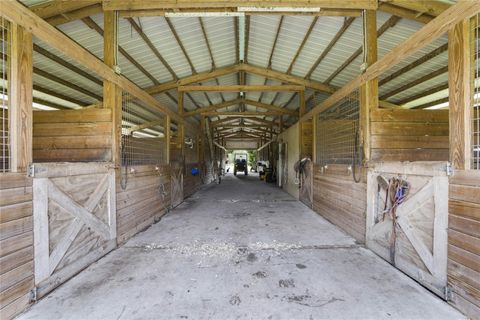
[419, 245]
[177, 183]
[74, 219]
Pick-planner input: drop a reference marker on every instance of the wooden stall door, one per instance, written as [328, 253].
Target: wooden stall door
[306, 188]
[176, 183]
[419, 245]
[74, 219]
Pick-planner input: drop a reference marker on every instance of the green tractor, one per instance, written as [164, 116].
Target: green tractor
[241, 163]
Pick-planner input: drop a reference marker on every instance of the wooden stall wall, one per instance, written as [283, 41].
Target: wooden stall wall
[464, 242]
[16, 243]
[290, 138]
[409, 135]
[143, 197]
[72, 135]
[339, 199]
[191, 182]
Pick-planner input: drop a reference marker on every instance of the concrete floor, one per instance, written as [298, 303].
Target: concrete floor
[241, 250]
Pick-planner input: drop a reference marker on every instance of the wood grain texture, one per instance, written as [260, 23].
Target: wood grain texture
[464, 241]
[409, 135]
[16, 243]
[143, 201]
[72, 135]
[340, 200]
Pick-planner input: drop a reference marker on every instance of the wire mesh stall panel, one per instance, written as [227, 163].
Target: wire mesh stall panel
[339, 187]
[476, 94]
[338, 133]
[4, 125]
[143, 188]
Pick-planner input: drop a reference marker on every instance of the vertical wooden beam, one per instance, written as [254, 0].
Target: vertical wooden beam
[460, 98]
[202, 135]
[112, 94]
[20, 98]
[180, 103]
[314, 140]
[368, 91]
[166, 132]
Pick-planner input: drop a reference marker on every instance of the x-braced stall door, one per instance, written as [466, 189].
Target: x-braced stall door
[74, 219]
[176, 183]
[413, 237]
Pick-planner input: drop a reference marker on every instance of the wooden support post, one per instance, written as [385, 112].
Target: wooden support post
[166, 132]
[112, 94]
[314, 140]
[20, 98]
[460, 97]
[181, 139]
[180, 103]
[280, 124]
[202, 135]
[369, 90]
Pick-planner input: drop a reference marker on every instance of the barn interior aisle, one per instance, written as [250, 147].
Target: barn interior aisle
[244, 249]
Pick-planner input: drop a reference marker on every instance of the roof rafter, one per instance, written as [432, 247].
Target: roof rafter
[412, 84]
[390, 23]
[346, 24]
[93, 25]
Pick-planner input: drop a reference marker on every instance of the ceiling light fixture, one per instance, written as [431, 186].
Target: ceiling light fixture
[203, 14]
[278, 9]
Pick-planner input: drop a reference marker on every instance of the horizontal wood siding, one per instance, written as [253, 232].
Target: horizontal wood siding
[340, 200]
[144, 199]
[16, 243]
[409, 135]
[464, 242]
[72, 135]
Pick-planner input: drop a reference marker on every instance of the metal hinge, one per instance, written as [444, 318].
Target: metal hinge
[31, 170]
[449, 169]
[447, 293]
[33, 295]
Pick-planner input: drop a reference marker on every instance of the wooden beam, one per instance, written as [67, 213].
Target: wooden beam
[432, 8]
[432, 54]
[94, 26]
[15, 12]
[272, 74]
[65, 97]
[346, 24]
[415, 42]
[404, 13]
[145, 125]
[112, 94]
[152, 47]
[167, 133]
[65, 83]
[20, 98]
[179, 42]
[73, 15]
[271, 107]
[212, 107]
[459, 78]
[57, 7]
[369, 90]
[390, 23]
[66, 64]
[185, 4]
[414, 83]
[304, 41]
[240, 88]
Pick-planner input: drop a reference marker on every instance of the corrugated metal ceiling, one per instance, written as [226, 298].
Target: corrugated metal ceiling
[220, 32]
